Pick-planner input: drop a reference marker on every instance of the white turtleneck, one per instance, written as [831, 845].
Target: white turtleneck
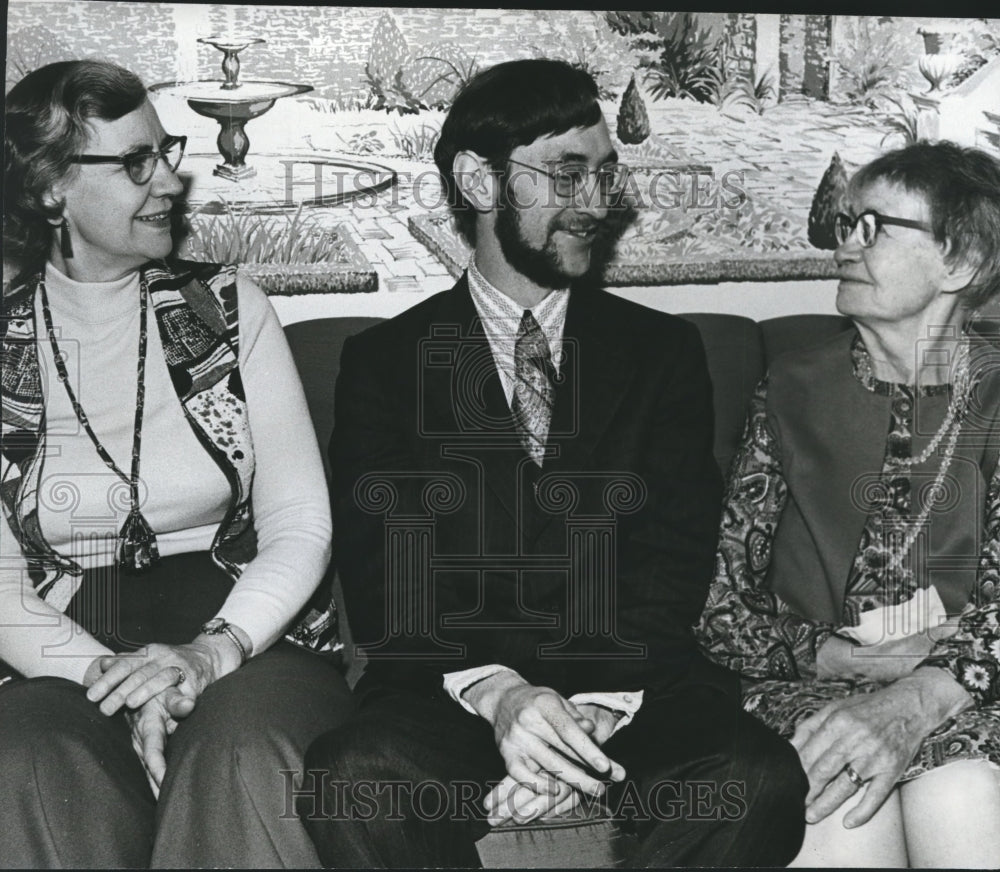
[82, 503]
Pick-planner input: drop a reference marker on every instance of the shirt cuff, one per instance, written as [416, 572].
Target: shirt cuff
[627, 703]
[456, 683]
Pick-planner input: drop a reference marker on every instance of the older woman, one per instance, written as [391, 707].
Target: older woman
[165, 517]
[860, 542]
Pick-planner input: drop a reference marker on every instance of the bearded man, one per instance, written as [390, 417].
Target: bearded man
[525, 509]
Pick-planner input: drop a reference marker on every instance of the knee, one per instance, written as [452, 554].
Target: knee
[769, 770]
[356, 751]
[262, 720]
[64, 746]
[48, 715]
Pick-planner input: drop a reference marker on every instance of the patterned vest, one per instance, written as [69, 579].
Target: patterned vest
[195, 306]
[832, 433]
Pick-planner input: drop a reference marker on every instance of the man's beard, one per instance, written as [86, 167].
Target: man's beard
[542, 266]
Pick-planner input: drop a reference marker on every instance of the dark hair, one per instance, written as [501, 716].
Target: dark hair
[46, 124]
[962, 188]
[511, 104]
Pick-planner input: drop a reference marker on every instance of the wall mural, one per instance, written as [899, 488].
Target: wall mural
[311, 129]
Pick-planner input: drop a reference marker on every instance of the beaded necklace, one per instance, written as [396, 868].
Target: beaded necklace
[958, 403]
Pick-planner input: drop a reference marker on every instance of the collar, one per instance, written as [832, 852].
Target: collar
[501, 318]
[92, 302]
[861, 362]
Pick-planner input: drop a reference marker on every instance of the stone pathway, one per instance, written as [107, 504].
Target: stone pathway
[783, 153]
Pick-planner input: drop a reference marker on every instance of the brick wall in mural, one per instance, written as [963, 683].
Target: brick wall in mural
[743, 114]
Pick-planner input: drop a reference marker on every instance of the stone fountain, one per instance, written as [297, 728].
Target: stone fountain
[275, 182]
[283, 179]
[232, 103]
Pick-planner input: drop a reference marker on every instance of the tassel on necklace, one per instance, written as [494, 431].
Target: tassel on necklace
[137, 546]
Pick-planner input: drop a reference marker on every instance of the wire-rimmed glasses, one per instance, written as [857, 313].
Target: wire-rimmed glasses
[568, 180]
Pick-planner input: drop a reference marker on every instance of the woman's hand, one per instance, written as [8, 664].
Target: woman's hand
[132, 679]
[151, 725]
[877, 735]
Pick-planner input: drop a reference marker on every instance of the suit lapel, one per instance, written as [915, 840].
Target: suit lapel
[469, 411]
[469, 415]
[598, 368]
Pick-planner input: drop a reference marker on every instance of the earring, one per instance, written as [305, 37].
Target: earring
[65, 243]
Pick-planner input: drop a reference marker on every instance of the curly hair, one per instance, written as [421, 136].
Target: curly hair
[962, 188]
[46, 117]
[507, 105]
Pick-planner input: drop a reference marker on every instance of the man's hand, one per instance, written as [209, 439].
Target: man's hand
[886, 661]
[877, 734]
[543, 738]
[604, 720]
[511, 800]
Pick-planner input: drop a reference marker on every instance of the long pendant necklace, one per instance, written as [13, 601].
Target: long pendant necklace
[136, 548]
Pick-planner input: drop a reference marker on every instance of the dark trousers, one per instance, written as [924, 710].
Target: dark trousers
[73, 793]
[706, 784]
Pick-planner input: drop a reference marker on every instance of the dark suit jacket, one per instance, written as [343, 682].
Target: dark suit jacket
[455, 550]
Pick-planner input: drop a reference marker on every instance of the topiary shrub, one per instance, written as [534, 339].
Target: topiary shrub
[830, 198]
[407, 81]
[633, 120]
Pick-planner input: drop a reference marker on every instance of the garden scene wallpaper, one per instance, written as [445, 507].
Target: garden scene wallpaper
[311, 131]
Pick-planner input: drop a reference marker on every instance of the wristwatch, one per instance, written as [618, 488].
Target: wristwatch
[216, 626]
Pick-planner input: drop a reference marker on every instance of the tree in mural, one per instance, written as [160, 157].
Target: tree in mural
[586, 41]
[408, 81]
[872, 59]
[633, 120]
[29, 48]
[681, 58]
[830, 198]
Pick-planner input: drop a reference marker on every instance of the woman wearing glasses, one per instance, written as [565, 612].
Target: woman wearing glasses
[859, 551]
[165, 518]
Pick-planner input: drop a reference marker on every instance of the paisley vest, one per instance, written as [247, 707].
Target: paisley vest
[196, 312]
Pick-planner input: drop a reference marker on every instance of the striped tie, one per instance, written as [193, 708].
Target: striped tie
[533, 389]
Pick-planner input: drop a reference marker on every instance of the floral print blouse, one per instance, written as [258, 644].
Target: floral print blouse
[751, 630]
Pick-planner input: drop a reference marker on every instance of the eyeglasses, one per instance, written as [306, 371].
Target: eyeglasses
[569, 179]
[140, 165]
[870, 223]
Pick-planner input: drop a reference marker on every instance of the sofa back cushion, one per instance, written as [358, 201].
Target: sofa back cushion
[735, 358]
[792, 332]
[737, 350]
[316, 347]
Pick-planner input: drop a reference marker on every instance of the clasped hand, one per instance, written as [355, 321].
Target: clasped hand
[157, 685]
[549, 746]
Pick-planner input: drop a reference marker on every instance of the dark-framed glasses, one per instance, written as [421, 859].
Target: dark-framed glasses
[568, 180]
[140, 165]
[868, 224]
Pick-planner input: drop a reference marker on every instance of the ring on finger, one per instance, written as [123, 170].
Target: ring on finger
[853, 777]
[181, 676]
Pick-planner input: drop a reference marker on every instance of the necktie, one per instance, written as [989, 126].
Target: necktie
[533, 389]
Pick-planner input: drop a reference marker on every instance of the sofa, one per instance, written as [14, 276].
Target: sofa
[738, 350]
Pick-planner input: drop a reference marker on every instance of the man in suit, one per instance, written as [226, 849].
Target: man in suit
[526, 508]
